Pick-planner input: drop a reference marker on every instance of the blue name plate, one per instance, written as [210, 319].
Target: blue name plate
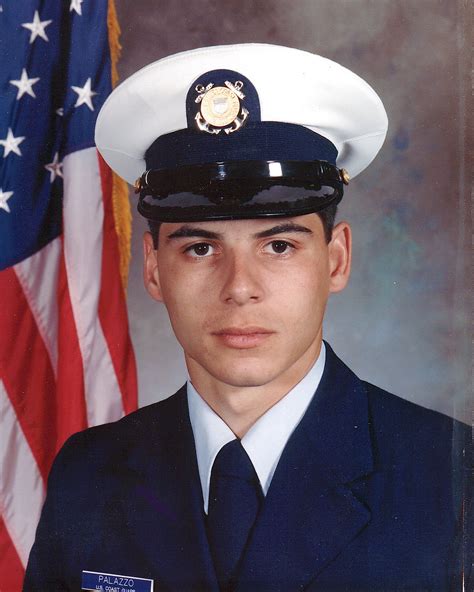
[94, 580]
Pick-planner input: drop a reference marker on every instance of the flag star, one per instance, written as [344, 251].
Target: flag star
[10, 143]
[37, 27]
[25, 85]
[85, 95]
[54, 168]
[4, 197]
[60, 111]
[76, 5]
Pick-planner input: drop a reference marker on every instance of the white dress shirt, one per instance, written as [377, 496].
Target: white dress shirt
[265, 440]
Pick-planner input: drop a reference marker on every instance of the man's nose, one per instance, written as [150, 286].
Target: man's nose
[242, 281]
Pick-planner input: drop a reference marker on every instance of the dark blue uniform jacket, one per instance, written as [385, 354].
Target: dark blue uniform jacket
[369, 495]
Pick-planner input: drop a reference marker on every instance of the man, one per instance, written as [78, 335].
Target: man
[275, 467]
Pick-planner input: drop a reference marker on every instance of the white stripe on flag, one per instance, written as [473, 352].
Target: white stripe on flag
[21, 485]
[83, 216]
[38, 276]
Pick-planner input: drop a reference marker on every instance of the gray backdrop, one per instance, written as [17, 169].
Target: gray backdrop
[403, 323]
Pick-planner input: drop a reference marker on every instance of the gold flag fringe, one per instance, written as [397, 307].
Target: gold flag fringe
[120, 202]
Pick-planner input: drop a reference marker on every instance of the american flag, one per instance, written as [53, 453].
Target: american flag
[66, 360]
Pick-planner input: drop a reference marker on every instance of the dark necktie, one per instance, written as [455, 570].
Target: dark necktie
[235, 496]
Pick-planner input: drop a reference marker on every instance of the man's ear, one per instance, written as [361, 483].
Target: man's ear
[340, 254]
[151, 275]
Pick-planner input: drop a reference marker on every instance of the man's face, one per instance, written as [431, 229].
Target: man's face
[246, 298]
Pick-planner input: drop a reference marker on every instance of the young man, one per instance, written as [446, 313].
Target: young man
[275, 467]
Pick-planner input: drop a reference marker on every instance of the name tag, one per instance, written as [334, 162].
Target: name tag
[94, 580]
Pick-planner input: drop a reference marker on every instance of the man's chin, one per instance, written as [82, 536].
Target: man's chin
[247, 382]
[246, 372]
[246, 377]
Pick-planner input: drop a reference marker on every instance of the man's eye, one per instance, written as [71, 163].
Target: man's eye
[279, 247]
[200, 250]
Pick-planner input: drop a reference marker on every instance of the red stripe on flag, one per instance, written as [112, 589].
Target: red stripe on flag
[71, 406]
[27, 372]
[112, 310]
[11, 569]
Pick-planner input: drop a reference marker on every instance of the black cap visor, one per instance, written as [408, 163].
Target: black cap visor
[235, 190]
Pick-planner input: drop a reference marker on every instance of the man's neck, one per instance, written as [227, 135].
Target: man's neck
[240, 407]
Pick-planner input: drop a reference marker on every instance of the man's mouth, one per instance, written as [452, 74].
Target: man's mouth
[242, 337]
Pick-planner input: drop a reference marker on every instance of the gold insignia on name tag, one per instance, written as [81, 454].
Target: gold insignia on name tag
[220, 108]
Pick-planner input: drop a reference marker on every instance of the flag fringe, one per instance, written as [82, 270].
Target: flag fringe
[120, 202]
[114, 39]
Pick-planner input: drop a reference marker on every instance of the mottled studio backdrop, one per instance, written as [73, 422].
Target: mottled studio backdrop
[403, 323]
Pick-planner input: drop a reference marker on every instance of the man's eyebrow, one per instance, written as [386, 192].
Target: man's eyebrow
[280, 228]
[187, 231]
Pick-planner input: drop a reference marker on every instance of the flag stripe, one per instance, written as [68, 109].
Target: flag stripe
[22, 493]
[33, 399]
[41, 295]
[83, 209]
[71, 406]
[112, 308]
[11, 567]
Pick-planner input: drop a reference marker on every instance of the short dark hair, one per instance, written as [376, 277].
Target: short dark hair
[328, 217]
[154, 228]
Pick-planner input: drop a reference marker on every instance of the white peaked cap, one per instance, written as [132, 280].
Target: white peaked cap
[293, 86]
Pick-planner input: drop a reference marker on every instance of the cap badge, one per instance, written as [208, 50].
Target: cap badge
[220, 107]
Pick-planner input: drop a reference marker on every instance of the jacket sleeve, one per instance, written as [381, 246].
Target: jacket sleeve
[44, 570]
[463, 562]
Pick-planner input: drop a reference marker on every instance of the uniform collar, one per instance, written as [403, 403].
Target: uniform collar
[265, 440]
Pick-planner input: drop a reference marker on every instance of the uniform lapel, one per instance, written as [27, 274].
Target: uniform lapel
[163, 506]
[310, 513]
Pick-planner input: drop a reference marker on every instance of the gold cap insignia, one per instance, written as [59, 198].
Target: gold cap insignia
[220, 107]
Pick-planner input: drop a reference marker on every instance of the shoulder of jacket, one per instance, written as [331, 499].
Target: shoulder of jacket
[96, 445]
[386, 402]
[401, 421]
